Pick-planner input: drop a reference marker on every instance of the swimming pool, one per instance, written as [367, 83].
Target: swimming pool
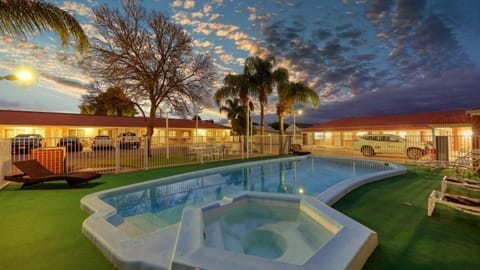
[145, 217]
[154, 206]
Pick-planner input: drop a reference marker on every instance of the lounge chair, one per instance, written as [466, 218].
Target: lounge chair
[35, 173]
[297, 149]
[468, 162]
[464, 183]
[458, 202]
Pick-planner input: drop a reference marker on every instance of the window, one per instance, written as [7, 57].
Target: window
[318, 135]
[172, 134]
[105, 132]
[76, 133]
[347, 135]
[186, 134]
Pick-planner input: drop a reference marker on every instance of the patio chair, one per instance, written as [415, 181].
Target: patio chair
[469, 162]
[461, 203]
[297, 149]
[461, 182]
[35, 173]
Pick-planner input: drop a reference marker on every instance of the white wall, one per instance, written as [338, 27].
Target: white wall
[5, 160]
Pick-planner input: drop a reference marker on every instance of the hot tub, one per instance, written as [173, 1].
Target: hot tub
[253, 230]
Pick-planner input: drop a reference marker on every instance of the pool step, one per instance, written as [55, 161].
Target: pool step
[213, 235]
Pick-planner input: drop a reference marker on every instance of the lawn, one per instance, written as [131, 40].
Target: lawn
[41, 226]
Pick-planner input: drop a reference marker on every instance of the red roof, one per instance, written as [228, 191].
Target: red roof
[397, 121]
[8, 117]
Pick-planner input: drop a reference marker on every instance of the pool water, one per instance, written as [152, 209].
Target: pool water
[160, 204]
[281, 233]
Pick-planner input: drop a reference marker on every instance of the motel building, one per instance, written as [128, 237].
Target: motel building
[52, 126]
[450, 131]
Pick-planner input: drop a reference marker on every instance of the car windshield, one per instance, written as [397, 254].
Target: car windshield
[23, 137]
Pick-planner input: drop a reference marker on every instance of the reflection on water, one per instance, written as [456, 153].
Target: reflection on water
[163, 203]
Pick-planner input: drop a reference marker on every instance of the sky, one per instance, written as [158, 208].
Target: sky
[362, 57]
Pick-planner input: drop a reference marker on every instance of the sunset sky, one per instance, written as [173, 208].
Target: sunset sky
[362, 57]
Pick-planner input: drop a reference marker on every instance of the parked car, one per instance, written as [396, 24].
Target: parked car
[71, 144]
[102, 142]
[129, 140]
[373, 144]
[24, 143]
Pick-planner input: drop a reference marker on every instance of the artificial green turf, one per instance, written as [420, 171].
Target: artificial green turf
[40, 226]
[408, 239]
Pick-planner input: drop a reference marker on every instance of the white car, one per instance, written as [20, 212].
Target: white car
[373, 144]
[102, 142]
[129, 140]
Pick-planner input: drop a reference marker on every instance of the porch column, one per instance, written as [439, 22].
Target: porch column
[475, 114]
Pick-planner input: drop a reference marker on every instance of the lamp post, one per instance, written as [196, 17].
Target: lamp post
[196, 129]
[294, 126]
[168, 134]
[9, 77]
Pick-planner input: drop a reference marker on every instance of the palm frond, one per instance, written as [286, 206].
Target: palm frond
[23, 17]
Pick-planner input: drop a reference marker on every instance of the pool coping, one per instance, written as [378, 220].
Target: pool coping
[155, 250]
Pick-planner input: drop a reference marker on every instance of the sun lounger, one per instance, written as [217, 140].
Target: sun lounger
[297, 149]
[35, 173]
[458, 202]
[464, 183]
[468, 162]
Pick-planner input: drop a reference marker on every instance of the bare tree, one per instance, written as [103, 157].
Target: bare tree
[151, 58]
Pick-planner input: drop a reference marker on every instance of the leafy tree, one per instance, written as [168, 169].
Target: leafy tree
[196, 117]
[276, 125]
[151, 58]
[111, 102]
[21, 17]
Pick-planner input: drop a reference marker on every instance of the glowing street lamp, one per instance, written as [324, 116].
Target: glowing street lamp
[23, 75]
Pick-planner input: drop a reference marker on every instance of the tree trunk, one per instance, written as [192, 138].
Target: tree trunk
[150, 129]
[262, 124]
[246, 126]
[280, 124]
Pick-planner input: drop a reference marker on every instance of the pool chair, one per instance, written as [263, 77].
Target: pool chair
[35, 173]
[461, 182]
[461, 203]
[297, 149]
[468, 162]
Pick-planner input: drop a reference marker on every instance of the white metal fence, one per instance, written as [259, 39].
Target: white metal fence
[174, 151]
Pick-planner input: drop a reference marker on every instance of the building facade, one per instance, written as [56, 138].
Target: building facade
[434, 127]
[57, 125]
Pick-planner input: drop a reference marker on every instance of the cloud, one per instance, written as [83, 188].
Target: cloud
[77, 9]
[189, 4]
[203, 44]
[176, 3]
[455, 90]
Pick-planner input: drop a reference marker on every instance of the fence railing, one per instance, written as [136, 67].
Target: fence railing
[115, 155]
[71, 154]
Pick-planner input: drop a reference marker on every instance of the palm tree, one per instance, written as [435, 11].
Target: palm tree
[264, 79]
[20, 17]
[235, 114]
[236, 85]
[290, 93]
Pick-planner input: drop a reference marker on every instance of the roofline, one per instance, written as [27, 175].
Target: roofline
[81, 120]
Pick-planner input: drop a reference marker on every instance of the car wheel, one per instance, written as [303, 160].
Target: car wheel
[414, 153]
[368, 151]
